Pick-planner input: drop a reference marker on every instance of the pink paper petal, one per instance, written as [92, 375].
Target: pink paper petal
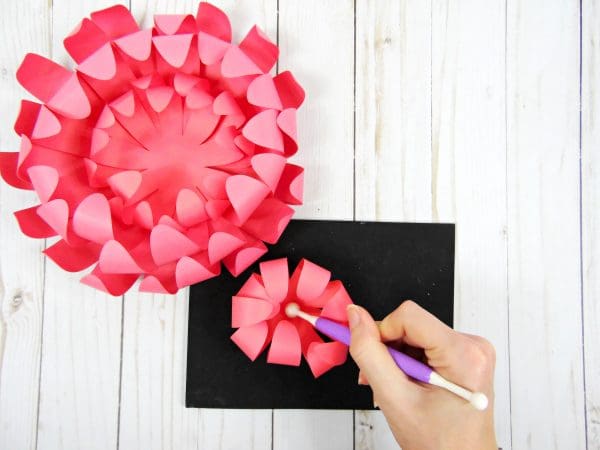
[44, 180]
[32, 225]
[168, 244]
[237, 64]
[285, 346]
[221, 244]
[263, 92]
[253, 287]
[238, 261]
[174, 49]
[46, 125]
[311, 282]
[190, 208]
[321, 357]
[251, 339]
[247, 311]
[210, 48]
[275, 277]
[92, 219]
[269, 220]
[56, 214]
[262, 129]
[269, 167]
[245, 194]
[335, 299]
[169, 23]
[101, 64]
[114, 258]
[190, 271]
[112, 284]
[138, 45]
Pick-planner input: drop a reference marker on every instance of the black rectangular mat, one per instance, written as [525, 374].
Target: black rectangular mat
[380, 264]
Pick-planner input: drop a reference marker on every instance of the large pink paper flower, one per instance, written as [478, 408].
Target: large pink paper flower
[258, 311]
[162, 155]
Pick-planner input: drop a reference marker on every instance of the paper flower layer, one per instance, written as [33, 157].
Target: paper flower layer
[258, 311]
[162, 155]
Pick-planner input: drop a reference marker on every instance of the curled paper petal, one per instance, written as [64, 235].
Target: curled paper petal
[163, 155]
[258, 311]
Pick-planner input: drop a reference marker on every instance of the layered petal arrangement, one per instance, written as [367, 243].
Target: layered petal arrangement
[258, 313]
[163, 155]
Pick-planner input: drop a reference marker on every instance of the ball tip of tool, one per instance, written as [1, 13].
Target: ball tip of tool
[292, 310]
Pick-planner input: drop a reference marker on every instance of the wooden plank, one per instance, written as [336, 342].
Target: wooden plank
[24, 28]
[153, 414]
[469, 172]
[317, 43]
[79, 387]
[393, 135]
[543, 225]
[590, 161]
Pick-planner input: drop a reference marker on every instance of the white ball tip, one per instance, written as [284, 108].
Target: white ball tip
[479, 401]
[291, 310]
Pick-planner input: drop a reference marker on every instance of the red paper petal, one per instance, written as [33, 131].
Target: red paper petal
[115, 21]
[290, 92]
[275, 276]
[285, 345]
[213, 21]
[73, 259]
[251, 339]
[335, 299]
[260, 49]
[8, 170]
[174, 49]
[247, 311]
[240, 260]
[311, 282]
[112, 284]
[194, 270]
[321, 357]
[32, 225]
[58, 87]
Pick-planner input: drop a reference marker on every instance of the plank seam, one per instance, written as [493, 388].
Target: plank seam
[582, 302]
[506, 215]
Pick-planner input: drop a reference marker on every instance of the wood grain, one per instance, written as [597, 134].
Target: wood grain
[543, 225]
[316, 40]
[469, 172]
[590, 214]
[393, 138]
[24, 27]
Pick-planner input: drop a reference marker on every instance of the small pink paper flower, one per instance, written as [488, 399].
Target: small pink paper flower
[163, 155]
[258, 311]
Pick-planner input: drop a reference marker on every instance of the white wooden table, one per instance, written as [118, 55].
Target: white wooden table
[482, 113]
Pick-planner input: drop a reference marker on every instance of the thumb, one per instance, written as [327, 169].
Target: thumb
[374, 360]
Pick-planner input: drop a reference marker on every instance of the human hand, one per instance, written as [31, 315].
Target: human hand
[422, 416]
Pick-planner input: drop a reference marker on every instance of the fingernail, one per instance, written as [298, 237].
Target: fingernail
[361, 379]
[375, 405]
[353, 316]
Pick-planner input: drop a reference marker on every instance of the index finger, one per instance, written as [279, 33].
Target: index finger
[416, 327]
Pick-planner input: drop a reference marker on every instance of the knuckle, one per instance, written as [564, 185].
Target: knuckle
[407, 308]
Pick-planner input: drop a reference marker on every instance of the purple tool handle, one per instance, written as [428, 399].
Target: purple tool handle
[410, 366]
